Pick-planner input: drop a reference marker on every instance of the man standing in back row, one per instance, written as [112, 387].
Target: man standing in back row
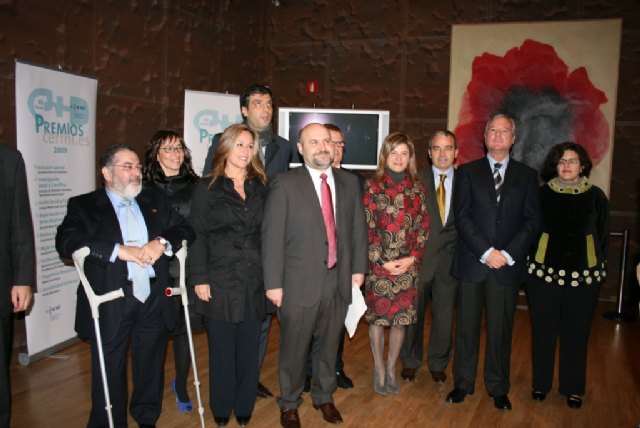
[434, 280]
[497, 215]
[314, 242]
[256, 106]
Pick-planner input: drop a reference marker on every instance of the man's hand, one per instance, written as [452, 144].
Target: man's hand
[21, 297]
[203, 291]
[357, 279]
[151, 251]
[495, 259]
[275, 296]
[130, 253]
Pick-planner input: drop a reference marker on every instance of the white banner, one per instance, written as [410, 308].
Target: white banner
[205, 115]
[55, 118]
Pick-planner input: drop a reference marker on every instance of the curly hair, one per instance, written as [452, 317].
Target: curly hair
[151, 164]
[550, 167]
[392, 141]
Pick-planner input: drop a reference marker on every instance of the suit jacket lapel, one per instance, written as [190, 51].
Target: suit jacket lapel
[110, 226]
[307, 188]
[270, 151]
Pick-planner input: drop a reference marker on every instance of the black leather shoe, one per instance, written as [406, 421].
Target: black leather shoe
[538, 395]
[501, 402]
[456, 396]
[221, 421]
[263, 391]
[146, 426]
[307, 384]
[408, 374]
[574, 401]
[243, 421]
[343, 380]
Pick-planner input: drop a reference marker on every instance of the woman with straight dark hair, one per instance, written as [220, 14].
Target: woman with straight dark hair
[226, 270]
[566, 268]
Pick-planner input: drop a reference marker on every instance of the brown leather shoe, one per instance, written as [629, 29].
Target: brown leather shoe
[438, 377]
[329, 413]
[408, 375]
[289, 418]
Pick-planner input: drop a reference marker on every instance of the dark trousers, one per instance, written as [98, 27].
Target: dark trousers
[233, 372]
[500, 302]
[560, 312]
[442, 290]
[142, 328]
[321, 322]
[6, 342]
[265, 326]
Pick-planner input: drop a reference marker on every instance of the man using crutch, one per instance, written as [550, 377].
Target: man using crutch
[131, 234]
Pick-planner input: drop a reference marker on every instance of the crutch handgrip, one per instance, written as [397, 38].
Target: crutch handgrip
[172, 291]
[94, 300]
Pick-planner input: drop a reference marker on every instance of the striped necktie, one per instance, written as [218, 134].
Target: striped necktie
[497, 179]
[441, 196]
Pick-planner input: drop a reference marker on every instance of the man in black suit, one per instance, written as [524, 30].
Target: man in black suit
[131, 233]
[17, 262]
[314, 242]
[434, 278]
[256, 106]
[497, 215]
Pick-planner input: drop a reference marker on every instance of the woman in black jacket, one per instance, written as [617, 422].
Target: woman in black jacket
[566, 268]
[226, 270]
[168, 168]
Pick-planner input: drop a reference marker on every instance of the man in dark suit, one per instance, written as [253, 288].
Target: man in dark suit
[17, 262]
[131, 233]
[434, 278]
[314, 244]
[256, 106]
[497, 215]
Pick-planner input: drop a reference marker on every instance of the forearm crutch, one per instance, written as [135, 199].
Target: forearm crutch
[181, 255]
[95, 302]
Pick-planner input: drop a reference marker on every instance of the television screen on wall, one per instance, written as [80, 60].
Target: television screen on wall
[363, 130]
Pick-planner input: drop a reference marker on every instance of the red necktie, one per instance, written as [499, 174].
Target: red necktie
[329, 221]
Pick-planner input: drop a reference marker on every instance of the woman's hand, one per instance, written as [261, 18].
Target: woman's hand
[400, 266]
[203, 291]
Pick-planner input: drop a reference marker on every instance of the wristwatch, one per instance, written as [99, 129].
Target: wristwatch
[163, 241]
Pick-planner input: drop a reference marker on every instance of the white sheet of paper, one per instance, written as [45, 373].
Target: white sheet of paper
[355, 311]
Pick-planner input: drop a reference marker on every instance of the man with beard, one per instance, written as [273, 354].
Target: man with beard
[131, 234]
[314, 251]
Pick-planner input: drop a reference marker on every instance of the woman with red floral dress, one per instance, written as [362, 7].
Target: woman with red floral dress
[396, 214]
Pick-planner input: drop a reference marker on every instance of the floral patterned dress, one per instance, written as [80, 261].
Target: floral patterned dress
[398, 222]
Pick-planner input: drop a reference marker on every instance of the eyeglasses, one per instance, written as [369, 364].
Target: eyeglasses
[572, 161]
[338, 143]
[176, 149]
[129, 166]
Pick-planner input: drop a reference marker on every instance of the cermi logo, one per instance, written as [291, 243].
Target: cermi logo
[58, 120]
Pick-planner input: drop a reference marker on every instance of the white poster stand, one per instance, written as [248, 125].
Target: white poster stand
[55, 120]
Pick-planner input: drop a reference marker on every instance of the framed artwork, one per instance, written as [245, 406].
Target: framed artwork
[558, 80]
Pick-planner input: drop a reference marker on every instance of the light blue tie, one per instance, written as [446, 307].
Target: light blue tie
[135, 237]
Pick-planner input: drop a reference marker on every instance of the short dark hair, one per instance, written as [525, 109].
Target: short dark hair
[106, 159]
[252, 90]
[446, 133]
[332, 127]
[550, 166]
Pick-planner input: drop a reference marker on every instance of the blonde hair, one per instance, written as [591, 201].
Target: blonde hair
[255, 169]
[391, 142]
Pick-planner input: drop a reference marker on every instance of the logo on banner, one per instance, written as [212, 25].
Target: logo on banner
[210, 122]
[58, 120]
[54, 312]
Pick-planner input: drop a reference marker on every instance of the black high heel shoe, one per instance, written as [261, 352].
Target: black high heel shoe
[574, 401]
[538, 395]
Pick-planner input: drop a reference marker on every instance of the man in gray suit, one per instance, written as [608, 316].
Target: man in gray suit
[434, 279]
[17, 261]
[309, 270]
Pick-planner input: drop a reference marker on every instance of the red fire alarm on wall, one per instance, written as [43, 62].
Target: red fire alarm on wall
[312, 86]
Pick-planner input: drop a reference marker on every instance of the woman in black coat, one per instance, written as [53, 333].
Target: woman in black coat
[226, 270]
[168, 168]
[566, 268]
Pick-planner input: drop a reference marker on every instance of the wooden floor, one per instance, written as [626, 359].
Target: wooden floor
[55, 392]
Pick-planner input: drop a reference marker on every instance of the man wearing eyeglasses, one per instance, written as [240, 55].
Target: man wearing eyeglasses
[131, 233]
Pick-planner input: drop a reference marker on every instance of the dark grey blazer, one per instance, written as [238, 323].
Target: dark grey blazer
[17, 249]
[442, 238]
[294, 241]
[482, 222]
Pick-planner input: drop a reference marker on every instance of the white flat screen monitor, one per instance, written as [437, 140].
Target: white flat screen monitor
[363, 130]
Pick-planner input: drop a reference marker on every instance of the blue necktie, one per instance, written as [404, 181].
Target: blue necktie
[135, 237]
